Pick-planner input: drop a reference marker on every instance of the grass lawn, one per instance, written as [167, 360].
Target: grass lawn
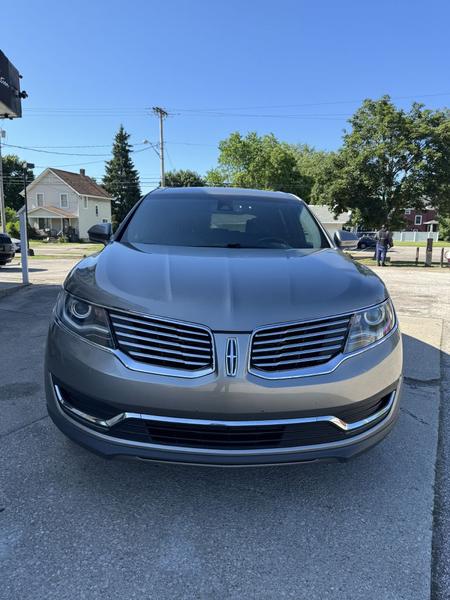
[423, 244]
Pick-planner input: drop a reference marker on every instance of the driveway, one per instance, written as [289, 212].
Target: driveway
[73, 525]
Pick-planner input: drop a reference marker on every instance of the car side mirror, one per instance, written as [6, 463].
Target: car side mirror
[100, 233]
[345, 239]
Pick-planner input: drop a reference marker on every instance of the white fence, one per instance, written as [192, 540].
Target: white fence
[414, 236]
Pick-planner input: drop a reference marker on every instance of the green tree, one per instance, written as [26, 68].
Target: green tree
[13, 180]
[444, 228]
[390, 160]
[216, 177]
[121, 179]
[313, 164]
[183, 178]
[258, 162]
[12, 222]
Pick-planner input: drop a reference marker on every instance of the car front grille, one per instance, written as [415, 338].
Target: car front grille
[139, 427]
[252, 437]
[163, 343]
[298, 345]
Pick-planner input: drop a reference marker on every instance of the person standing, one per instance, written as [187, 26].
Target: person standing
[384, 242]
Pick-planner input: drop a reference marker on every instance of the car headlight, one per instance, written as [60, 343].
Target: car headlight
[370, 325]
[89, 321]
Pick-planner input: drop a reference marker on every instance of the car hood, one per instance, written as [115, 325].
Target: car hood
[227, 289]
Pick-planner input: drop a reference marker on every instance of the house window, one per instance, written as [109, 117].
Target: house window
[40, 199]
[85, 201]
[407, 211]
[418, 220]
[96, 210]
[64, 200]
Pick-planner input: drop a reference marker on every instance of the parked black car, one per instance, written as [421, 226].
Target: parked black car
[366, 241]
[7, 249]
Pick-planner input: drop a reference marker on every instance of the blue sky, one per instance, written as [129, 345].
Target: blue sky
[294, 68]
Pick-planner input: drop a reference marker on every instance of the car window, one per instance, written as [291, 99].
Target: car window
[224, 221]
[313, 235]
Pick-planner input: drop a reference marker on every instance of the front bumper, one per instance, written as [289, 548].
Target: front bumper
[220, 400]
[6, 258]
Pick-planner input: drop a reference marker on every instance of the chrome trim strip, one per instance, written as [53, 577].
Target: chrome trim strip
[339, 423]
[141, 367]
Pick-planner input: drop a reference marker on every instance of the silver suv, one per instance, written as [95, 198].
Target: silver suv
[223, 326]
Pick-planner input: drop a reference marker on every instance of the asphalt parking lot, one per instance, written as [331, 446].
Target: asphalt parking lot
[73, 525]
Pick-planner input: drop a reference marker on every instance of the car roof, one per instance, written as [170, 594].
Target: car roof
[223, 191]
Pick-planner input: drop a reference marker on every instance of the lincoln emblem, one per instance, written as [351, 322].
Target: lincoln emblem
[231, 357]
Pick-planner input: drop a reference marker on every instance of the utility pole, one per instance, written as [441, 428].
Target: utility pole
[2, 193]
[26, 166]
[161, 114]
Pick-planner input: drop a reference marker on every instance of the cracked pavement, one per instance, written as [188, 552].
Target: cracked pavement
[73, 525]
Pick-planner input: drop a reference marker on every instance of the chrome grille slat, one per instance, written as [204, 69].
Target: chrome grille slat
[303, 336]
[299, 345]
[159, 333]
[201, 348]
[283, 329]
[293, 361]
[176, 360]
[156, 323]
[163, 343]
[310, 351]
[158, 349]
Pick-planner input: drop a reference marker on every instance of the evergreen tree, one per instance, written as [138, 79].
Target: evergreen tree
[121, 179]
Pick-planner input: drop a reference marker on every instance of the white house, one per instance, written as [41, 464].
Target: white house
[60, 199]
[327, 218]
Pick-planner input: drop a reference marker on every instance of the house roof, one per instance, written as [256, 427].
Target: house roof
[325, 215]
[58, 212]
[82, 184]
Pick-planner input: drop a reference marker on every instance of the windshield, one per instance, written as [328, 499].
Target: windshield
[224, 222]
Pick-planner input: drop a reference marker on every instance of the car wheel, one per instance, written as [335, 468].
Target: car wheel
[362, 246]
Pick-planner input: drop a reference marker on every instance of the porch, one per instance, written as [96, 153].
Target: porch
[53, 221]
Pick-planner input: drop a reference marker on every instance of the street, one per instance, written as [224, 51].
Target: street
[73, 525]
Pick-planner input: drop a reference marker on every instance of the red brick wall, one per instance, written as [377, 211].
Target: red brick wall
[427, 215]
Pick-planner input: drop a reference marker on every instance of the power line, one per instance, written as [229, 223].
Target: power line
[305, 104]
[145, 109]
[85, 146]
[41, 150]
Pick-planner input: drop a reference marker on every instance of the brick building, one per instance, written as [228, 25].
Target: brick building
[421, 220]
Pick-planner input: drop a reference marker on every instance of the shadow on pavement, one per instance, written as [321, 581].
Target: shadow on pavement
[19, 269]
